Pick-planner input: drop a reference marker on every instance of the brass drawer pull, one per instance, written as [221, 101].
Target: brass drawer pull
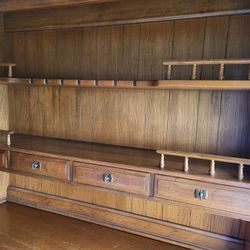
[36, 165]
[201, 194]
[107, 178]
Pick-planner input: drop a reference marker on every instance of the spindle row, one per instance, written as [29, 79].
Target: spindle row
[240, 162]
[194, 65]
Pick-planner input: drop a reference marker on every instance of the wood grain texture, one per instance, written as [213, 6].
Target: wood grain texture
[181, 120]
[167, 211]
[163, 231]
[4, 108]
[47, 166]
[121, 180]
[4, 116]
[183, 190]
[60, 232]
[120, 12]
[15, 5]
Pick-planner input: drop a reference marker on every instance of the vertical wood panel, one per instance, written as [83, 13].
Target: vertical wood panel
[155, 46]
[49, 54]
[4, 107]
[33, 54]
[130, 57]
[234, 125]
[110, 43]
[4, 114]
[87, 68]
[182, 124]
[187, 120]
[210, 101]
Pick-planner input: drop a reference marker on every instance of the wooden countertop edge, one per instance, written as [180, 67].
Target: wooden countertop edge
[171, 173]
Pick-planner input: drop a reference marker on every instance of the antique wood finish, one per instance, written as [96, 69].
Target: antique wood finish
[16, 232]
[40, 165]
[130, 11]
[4, 182]
[164, 210]
[164, 231]
[219, 197]
[122, 180]
[121, 157]
[180, 114]
[247, 237]
[4, 115]
[109, 84]
[15, 5]
[4, 119]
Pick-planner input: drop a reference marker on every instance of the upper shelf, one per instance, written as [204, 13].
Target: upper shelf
[192, 84]
[162, 84]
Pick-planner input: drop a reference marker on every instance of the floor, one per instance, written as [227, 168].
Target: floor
[27, 228]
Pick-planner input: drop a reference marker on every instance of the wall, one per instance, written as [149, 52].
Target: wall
[205, 121]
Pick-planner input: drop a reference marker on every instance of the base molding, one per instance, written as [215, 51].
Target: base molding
[156, 229]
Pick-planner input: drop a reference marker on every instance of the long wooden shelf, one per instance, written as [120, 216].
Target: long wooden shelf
[124, 157]
[161, 84]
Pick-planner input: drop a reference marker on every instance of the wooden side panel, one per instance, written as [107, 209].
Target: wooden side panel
[4, 107]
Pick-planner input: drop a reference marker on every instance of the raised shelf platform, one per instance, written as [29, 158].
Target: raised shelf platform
[161, 84]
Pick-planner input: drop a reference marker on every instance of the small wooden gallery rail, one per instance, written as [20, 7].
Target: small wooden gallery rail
[195, 63]
[220, 84]
[212, 158]
[7, 134]
[10, 68]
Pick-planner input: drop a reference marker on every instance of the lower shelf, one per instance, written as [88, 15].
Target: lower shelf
[156, 229]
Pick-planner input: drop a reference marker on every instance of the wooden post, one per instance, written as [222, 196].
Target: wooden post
[162, 161]
[186, 167]
[10, 71]
[169, 72]
[212, 168]
[221, 74]
[194, 69]
[8, 142]
[241, 172]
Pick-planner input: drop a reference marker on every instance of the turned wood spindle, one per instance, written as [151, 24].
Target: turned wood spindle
[249, 72]
[194, 70]
[162, 161]
[169, 72]
[10, 71]
[241, 172]
[212, 168]
[8, 142]
[186, 167]
[221, 74]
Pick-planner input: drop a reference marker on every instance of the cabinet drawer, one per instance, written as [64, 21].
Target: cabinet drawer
[40, 165]
[226, 198]
[112, 178]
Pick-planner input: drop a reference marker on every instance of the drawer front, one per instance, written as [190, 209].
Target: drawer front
[112, 178]
[209, 195]
[40, 165]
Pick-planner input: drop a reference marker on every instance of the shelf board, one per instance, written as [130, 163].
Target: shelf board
[161, 84]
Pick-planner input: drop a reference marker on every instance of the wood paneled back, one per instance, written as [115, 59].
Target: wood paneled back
[204, 121]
